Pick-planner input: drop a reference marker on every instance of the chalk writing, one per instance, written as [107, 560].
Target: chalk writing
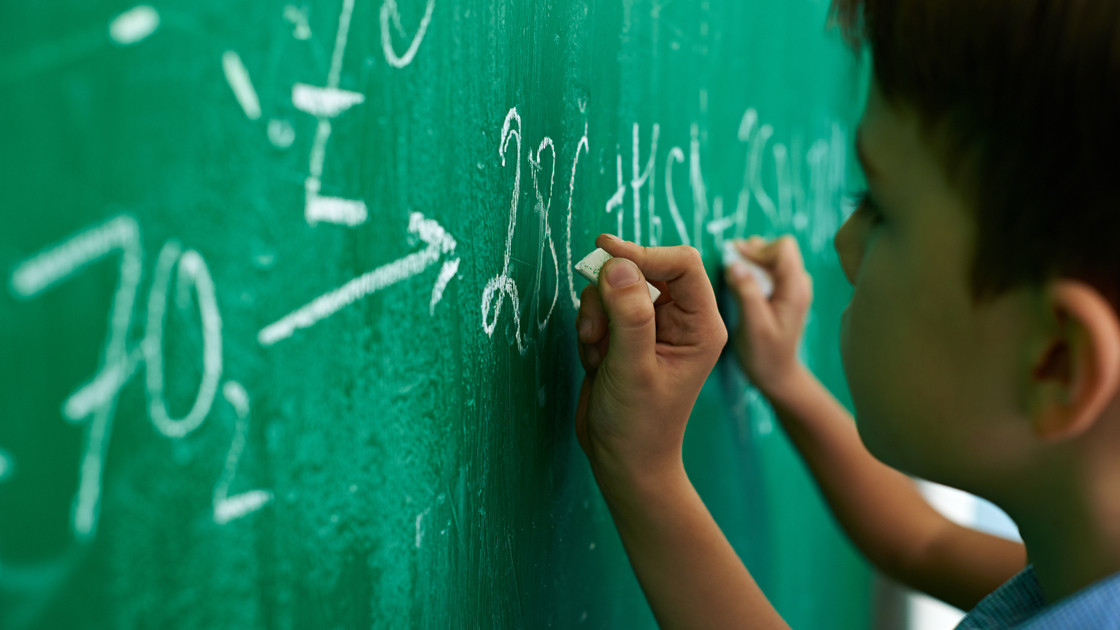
[324, 104]
[636, 183]
[389, 12]
[7, 465]
[585, 147]
[238, 78]
[192, 273]
[675, 156]
[502, 285]
[545, 235]
[95, 402]
[438, 241]
[134, 25]
[280, 133]
[298, 17]
[227, 508]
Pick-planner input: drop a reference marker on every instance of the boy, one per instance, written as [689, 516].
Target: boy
[981, 343]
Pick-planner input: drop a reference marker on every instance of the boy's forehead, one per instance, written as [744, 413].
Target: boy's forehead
[888, 142]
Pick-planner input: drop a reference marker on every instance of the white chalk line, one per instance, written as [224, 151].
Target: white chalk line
[545, 233]
[102, 388]
[586, 147]
[280, 133]
[615, 200]
[7, 465]
[419, 529]
[192, 271]
[238, 78]
[675, 155]
[59, 262]
[227, 508]
[699, 190]
[389, 10]
[638, 180]
[337, 210]
[446, 274]
[759, 191]
[335, 74]
[53, 265]
[301, 29]
[134, 25]
[502, 285]
[324, 102]
[746, 128]
[439, 242]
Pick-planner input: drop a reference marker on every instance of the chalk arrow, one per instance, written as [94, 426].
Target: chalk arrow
[439, 243]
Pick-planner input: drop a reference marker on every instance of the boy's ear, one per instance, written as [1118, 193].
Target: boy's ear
[1076, 375]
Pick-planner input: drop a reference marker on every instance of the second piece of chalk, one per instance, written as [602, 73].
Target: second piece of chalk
[731, 255]
[593, 263]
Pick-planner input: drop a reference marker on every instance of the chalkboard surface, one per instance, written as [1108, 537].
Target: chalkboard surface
[287, 321]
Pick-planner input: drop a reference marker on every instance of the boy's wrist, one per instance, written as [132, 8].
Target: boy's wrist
[791, 385]
[626, 486]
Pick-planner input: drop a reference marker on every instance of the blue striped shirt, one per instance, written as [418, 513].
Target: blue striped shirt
[1018, 604]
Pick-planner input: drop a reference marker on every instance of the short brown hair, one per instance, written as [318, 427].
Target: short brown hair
[1026, 93]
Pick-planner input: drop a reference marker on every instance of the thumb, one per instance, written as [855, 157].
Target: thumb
[630, 314]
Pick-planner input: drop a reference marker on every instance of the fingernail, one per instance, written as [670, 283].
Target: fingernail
[593, 356]
[739, 270]
[585, 327]
[622, 273]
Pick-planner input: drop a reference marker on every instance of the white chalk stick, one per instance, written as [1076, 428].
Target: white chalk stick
[593, 263]
[731, 256]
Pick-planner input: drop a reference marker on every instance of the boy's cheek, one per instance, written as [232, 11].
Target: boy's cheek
[875, 390]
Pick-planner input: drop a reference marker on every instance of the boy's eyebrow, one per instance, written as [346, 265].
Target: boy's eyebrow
[869, 170]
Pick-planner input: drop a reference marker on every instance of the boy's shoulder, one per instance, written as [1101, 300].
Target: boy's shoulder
[1019, 604]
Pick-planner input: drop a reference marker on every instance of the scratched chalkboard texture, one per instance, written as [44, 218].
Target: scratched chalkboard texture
[286, 326]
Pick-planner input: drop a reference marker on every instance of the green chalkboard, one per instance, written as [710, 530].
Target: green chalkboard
[286, 325]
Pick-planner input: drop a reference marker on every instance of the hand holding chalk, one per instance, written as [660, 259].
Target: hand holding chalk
[593, 263]
[645, 366]
[774, 295]
[732, 257]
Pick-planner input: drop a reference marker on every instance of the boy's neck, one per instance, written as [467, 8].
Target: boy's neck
[1071, 528]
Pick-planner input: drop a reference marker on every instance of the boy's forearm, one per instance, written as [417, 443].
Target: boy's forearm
[882, 510]
[690, 574]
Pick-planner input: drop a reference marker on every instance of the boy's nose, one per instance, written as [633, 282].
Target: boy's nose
[849, 246]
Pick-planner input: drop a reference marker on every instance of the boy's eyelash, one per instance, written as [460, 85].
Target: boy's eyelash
[862, 201]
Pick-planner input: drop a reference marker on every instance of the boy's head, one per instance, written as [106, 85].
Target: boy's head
[982, 343]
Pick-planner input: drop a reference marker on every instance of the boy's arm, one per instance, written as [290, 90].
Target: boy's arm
[691, 576]
[645, 367]
[880, 508]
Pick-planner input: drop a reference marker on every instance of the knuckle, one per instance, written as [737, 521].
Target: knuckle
[692, 256]
[630, 309]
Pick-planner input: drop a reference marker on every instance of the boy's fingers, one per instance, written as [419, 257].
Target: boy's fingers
[782, 258]
[756, 310]
[630, 314]
[791, 286]
[680, 268]
[591, 321]
[591, 329]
